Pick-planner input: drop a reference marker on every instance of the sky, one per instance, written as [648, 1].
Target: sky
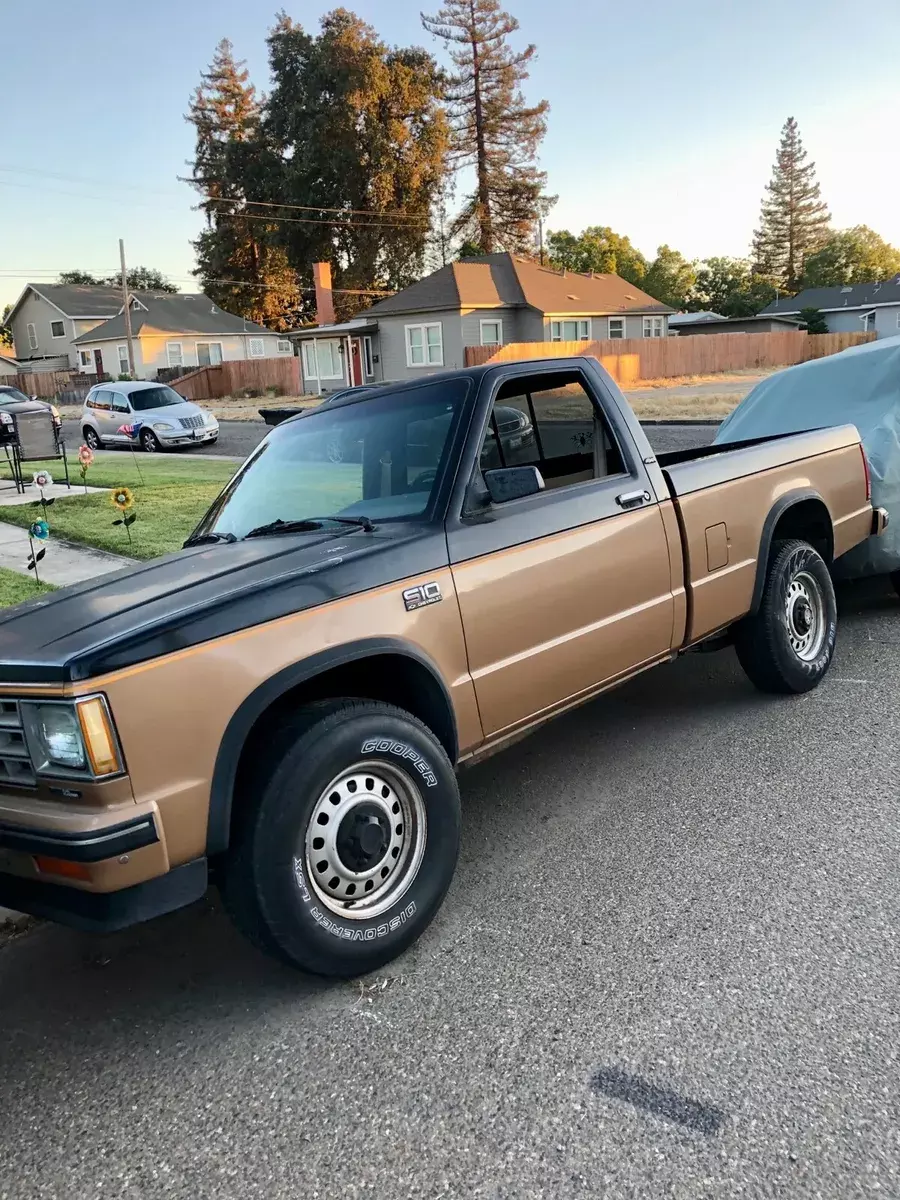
[664, 117]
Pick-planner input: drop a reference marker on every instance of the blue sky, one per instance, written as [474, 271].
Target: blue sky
[664, 117]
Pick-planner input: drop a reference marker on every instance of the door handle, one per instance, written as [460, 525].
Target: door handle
[632, 499]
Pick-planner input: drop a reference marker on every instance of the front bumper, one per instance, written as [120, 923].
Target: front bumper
[82, 845]
[187, 437]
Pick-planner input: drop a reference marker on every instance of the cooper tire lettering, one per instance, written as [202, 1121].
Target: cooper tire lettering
[403, 751]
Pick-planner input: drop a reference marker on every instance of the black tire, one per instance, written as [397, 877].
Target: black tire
[267, 874]
[895, 580]
[91, 438]
[772, 645]
[150, 443]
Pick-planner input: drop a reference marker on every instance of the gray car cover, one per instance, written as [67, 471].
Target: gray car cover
[860, 386]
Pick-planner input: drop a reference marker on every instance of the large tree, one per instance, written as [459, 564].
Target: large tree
[794, 218]
[355, 133]
[670, 278]
[6, 338]
[79, 278]
[857, 255]
[140, 279]
[241, 262]
[730, 287]
[597, 248]
[493, 129]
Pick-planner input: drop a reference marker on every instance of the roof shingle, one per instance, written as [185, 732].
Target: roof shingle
[859, 295]
[173, 313]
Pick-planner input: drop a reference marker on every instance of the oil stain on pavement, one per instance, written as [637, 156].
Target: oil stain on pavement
[692, 1114]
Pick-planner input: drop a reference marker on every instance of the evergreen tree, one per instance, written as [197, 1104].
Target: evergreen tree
[6, 338]
[492, 128]
[794, 219]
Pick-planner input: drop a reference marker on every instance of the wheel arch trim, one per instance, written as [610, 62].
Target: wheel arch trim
[781, 506]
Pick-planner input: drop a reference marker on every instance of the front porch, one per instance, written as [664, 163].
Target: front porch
[339, 356]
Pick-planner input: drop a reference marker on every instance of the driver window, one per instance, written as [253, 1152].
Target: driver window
[119, 403]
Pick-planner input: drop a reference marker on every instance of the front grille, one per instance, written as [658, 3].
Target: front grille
[192, 422]
[15, 763]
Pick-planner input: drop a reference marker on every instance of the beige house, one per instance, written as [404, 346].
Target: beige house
[174, 330]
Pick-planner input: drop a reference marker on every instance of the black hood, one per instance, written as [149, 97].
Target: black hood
[201, 593]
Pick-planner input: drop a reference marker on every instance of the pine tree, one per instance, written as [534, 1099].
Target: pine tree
[492, 128]
[794, 219]
[241, 263]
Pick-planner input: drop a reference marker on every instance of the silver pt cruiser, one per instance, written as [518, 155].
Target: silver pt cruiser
[152, 415]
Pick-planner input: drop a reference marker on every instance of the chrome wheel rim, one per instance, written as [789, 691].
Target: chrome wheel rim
[365, 840]
[805, 612]
[150, 444]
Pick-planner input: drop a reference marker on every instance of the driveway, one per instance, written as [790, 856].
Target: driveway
[668, 967]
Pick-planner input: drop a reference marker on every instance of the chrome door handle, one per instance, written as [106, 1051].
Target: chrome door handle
[632, 499]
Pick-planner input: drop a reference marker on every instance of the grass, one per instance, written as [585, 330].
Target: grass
[14, 588]
[170, 497]
[659, 407]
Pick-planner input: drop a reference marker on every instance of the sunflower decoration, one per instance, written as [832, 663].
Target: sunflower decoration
[85, 462]
[122, 500]
[38, 531]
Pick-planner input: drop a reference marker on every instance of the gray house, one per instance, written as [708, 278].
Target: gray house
[48, 317]
[870, 307]
[688, 324]
[486, 301]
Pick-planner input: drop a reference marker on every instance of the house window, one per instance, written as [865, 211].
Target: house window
[492, 333]
[86, 358]
[256, 348]
[654, 327]
[424, 346]
[209, 354]
[57, 329]
[122, 352]
[174, 354]
[570, 331]
[284, 346]
[32, 337]
[369, 362]
[617, 327]
[321, 359]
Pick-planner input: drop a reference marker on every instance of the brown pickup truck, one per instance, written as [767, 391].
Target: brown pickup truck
[389, 588]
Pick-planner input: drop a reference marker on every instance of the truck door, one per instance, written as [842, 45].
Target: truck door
[569, 588]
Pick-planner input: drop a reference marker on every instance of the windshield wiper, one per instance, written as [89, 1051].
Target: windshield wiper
[307, 525]
[206, 539]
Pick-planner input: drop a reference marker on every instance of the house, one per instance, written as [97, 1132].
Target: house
[871, 307]
[48, 318]
[689, 324]
[174, 330]
[8, 366]
[485, 301]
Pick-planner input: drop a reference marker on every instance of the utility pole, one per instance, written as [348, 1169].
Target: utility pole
[127, 310]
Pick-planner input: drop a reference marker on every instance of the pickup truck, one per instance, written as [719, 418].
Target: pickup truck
[281, 706]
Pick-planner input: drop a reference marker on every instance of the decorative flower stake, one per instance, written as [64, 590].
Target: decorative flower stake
[85, 462]
[122, 499]
[38, 531]
[41, 480]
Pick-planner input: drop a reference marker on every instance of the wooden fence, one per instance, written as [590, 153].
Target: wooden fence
[45, 384]
[232, 378]
[633, 359]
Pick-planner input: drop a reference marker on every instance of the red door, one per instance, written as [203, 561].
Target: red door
[98, 365]
[356, 374]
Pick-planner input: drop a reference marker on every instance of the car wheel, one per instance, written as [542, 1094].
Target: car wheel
[344, 844]
[150, 442]
[788, 645]
[91, 438]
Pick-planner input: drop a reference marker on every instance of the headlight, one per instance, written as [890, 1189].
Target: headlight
[163, 425]
[71, 737]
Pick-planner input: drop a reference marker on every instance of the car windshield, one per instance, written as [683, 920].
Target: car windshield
[11, 393]
[381, 459]
[144, 399]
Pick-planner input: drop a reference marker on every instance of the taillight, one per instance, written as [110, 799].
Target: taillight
[862, 451]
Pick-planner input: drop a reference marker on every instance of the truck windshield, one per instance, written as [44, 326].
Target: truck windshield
[382, 459]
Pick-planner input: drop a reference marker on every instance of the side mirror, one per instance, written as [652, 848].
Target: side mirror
[512, 483]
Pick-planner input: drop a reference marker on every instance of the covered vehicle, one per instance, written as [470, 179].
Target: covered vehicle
[860, 386]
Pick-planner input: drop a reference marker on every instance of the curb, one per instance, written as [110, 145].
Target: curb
[687, 422]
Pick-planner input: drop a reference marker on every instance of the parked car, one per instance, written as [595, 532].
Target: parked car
[275, 416]
[285, 703]
[152, 415]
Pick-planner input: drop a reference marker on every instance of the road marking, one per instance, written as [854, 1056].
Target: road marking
[693, 1114]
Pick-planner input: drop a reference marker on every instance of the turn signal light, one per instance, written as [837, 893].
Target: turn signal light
[59, 866]
[99, 740]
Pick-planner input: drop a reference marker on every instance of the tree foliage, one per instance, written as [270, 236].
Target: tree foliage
[599, 249]
[79, 278]
[730, 287]
[492, 128]
[670, 278]
[6, 337]
[847, 256]
[813, 320]
[140, 279]
[794, 219]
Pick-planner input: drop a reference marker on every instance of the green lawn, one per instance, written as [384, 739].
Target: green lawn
[170, 497]
[14, 588]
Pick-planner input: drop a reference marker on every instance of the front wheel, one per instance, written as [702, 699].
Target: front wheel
[788, 645]
[346, 841]
[150, 442]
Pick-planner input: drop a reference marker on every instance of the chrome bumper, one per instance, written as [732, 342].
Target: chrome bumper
[880, 521]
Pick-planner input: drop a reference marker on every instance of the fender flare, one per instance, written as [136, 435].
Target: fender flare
[782, 505]
[255, 704]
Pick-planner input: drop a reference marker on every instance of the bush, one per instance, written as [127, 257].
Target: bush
[275, 389]
[251, 393]
[124, 377]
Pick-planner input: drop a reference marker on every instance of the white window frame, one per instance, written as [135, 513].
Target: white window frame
[491, 321]
[86, 358]
[197, 346]
[867, 328]
[307, 352]
[58, 336]
[259, 351]
[285, 346]
[32, 335]
[427, 361]
[310, 346]
[609, 331]
[123, 358]
[170, 346]
[368, 358]
[652, 324]
[582, 328]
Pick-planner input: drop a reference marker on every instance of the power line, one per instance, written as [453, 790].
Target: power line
[173, 278]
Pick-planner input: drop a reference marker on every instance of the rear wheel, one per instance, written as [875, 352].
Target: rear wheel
[346, 841]
[91, 438]
[788, 645]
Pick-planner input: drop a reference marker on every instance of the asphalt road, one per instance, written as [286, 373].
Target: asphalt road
[668, 967]
[238, 438]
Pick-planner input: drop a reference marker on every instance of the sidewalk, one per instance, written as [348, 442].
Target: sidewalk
[63, 563]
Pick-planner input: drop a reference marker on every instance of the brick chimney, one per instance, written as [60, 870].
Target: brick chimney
[324, 299]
